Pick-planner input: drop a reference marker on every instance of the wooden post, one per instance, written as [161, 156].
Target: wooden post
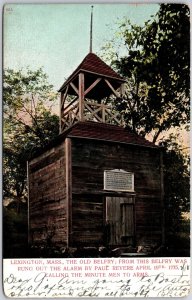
[68, 189]
[103, 113]
[81, 96]
[63, 97]
[122, 90]
[60, 112]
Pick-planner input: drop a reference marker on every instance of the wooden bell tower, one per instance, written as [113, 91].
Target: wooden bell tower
[97, 183]
[84, 93]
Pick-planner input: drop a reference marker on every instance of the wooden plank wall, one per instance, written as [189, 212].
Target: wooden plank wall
[120, 217]
[87, 221]
[89, 160]
[47, 198]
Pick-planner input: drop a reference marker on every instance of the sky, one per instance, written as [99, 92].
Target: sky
[56, 36]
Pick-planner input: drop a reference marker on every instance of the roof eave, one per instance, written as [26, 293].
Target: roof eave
[113, 141]
[86, 71]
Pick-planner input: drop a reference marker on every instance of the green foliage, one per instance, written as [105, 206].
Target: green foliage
[176, 183]
[14, 233]
[28, 124]
[155, 61]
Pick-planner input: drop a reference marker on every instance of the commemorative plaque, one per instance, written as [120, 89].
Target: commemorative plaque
[118, 180]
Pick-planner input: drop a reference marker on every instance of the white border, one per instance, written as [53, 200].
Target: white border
[188, 2]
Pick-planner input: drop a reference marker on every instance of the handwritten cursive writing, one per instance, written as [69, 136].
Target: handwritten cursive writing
[41, 286]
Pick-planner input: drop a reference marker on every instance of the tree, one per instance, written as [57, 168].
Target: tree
[155, 60]
[28, 124]
[156, 65]
[176, 183]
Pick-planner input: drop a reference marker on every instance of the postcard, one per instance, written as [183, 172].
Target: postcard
[96, 180]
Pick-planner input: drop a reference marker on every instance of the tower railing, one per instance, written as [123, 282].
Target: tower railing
[92, 112]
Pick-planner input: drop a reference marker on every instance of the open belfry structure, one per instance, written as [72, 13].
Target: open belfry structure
[97, 184]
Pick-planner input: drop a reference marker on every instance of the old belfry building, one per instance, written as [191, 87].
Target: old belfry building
[97, 183]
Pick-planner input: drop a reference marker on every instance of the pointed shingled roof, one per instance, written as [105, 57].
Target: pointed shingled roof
[93, 64]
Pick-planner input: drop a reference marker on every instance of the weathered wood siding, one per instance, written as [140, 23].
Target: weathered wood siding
[89, 160]
[87, 220]
[67, 201]
[120, 216]
[47, 198]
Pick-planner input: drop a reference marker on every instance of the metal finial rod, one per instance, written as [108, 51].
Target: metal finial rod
[91, 30]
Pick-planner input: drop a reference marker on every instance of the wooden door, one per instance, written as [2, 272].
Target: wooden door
[120, 220]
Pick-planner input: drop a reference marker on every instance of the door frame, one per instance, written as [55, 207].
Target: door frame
[124, 199]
